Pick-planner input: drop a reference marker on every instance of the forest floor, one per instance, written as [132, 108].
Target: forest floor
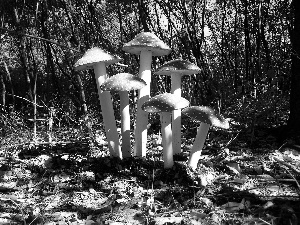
[242, 178]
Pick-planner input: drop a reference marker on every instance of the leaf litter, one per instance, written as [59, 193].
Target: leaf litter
[76, 182]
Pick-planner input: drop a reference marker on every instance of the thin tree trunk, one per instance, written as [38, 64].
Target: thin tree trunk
[10, 83]
[81, 94]
[49, 56]
[258, 51]
[143, 14]
[223, 41]
[23, 59]
[235, 47]
[3, 90]
[294, 118]
[22, 51]
[247, 47]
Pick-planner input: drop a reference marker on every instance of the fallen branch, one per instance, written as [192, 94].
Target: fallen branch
[39, 38]
[27, 100]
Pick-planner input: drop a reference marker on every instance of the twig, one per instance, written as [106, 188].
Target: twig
[264, 221]
[281, 146]
[39, 38]
[27, 100]
[294, 179]
[287, 165]
[16, 204]
[50, 41]
[121, 64]
[231, 140]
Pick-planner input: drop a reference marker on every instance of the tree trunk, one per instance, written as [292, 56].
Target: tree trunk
[3, 90]
[10, 84]
[81, 94]
[25, 65]
[21, 42]
[294, 118]
[143, 16]
[246, 77]
[49, 56]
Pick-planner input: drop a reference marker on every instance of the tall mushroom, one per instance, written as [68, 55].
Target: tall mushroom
[176, 69]
[124, 82]
[97, 59]
[207, 117]
[165, 104]
[145, 45]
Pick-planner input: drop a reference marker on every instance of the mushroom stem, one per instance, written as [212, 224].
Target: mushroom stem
[144, 95]
[107, 112]
[198, 145]
[125, 123]
[166, 132]
[176, 114]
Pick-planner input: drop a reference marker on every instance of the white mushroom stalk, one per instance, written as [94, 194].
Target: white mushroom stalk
[207, 117]
[176, 114]
[125, 123]
[123, 83]
[143, 96]
[166, 132]
[107, 112]
[198, 145]
[97, 59]
[145, 45]
[165, 104]
[176, 69]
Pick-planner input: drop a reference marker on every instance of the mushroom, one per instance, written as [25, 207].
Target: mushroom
[165, 104]
[97, 59]
[146, 45]
[207, 117]
[124, 82]
[176, 69]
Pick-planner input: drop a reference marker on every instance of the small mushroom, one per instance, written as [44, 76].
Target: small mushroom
[97, 59]
[145, 45]
[165, 104]
[123, 83]
[207, 117]
[176, 69]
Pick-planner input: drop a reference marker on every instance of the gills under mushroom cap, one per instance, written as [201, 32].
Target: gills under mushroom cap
[165, 103]
[178, 66]
[206, 115]
[123, 82]
[147, 41]
[93, 56]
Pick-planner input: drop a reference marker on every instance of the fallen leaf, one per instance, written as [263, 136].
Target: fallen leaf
[198, 215]
[195, 222]
[239, 181]
[234, 167]
[166, 220]
[268, 204]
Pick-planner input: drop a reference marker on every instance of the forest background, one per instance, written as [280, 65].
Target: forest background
[248, 52]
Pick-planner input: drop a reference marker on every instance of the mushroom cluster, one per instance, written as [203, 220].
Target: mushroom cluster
[168, 105]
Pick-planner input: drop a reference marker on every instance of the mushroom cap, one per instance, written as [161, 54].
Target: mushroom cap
[123, 82]
[147, 41]
[178, 66]
[206, 115]
[93, 56]
[166, 102]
